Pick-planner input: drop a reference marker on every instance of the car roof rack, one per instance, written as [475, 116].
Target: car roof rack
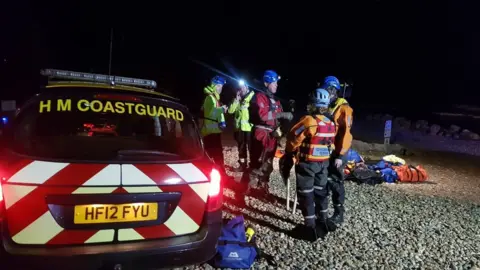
[98, 78]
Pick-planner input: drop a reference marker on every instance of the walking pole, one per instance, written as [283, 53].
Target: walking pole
[295, 204]
[288, 192]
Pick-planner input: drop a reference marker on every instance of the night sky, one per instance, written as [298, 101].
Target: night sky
[399, 54]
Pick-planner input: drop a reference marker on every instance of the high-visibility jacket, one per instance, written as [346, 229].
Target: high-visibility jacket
[212, 112]
[241, 113]
[342, 115]
[312, 138]
[264, 109]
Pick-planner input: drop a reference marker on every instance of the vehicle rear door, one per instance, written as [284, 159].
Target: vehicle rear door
[62, 186]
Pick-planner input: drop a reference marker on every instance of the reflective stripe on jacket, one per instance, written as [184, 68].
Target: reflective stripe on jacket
[312, 137]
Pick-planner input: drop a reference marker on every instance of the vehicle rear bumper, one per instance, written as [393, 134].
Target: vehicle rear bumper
[176, 251]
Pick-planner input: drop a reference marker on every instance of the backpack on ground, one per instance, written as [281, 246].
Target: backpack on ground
[233, 249]
[362, 174]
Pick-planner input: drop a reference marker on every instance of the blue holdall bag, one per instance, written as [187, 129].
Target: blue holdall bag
[233, 250]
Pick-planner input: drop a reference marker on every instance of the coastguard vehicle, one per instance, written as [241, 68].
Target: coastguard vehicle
[147, 196]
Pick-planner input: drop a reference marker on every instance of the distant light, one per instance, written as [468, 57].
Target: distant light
[241, 82]
[4, 120]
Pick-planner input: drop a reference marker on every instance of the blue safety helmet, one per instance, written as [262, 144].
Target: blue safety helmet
[219, 80]
[320, 98]
[331, 81]
[270, 76]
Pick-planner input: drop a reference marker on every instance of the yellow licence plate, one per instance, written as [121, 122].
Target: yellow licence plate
[110, 213]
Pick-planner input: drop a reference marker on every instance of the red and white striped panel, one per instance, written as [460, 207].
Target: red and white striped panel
[185, 178]
[30, 222]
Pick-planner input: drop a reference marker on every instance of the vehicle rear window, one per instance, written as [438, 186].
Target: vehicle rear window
[105, 126]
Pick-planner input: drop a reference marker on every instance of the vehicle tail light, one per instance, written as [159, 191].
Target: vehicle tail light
[1, 191]
[215, 180]
[2, 202]
[215, 194]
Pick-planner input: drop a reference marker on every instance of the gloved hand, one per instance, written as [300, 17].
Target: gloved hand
[277, 133]
[338, 163]
[285, 165]
[285, 115]
[222, 125]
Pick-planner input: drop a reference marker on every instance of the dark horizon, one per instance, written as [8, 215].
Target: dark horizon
[412, 55]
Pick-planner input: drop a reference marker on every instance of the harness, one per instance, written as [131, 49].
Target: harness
[272, 102]
[273, 106]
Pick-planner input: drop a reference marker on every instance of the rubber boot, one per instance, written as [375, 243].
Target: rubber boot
[337, 217]
[240, 200]
[264, 191]
[242, 167]
[304, 232]
[322, 227]
[252, 178]
[307, 231]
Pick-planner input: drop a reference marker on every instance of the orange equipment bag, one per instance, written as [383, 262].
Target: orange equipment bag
[409, 173]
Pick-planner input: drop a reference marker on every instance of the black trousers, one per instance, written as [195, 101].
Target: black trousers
[243, 141]
[312, 189]
[214, 148]
[336, 185]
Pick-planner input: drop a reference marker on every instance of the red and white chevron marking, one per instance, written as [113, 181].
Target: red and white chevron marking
[30, 222]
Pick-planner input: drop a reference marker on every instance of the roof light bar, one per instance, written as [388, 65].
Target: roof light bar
[91, 77]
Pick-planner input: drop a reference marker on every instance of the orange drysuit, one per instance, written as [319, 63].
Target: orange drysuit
[342, 115]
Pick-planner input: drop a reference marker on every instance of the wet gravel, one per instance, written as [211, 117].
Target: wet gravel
[383, 229]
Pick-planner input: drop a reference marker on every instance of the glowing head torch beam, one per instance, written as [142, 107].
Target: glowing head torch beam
[241, 82]
[91, 77]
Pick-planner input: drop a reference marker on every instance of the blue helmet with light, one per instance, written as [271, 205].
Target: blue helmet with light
[320, 98]
[219, 80]
[331, 81]
[270, 76]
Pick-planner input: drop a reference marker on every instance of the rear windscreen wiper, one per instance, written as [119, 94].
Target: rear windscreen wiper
[144, 152]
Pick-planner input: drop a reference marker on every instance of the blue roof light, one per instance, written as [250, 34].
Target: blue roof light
[91, 77]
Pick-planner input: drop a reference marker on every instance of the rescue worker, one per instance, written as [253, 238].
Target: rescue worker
[265, 112]
[243, 127]
[309, 143]
[214, 121]
[342, 115]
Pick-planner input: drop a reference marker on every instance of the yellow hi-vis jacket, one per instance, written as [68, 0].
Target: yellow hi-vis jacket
[212, 112]
[241, 113]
